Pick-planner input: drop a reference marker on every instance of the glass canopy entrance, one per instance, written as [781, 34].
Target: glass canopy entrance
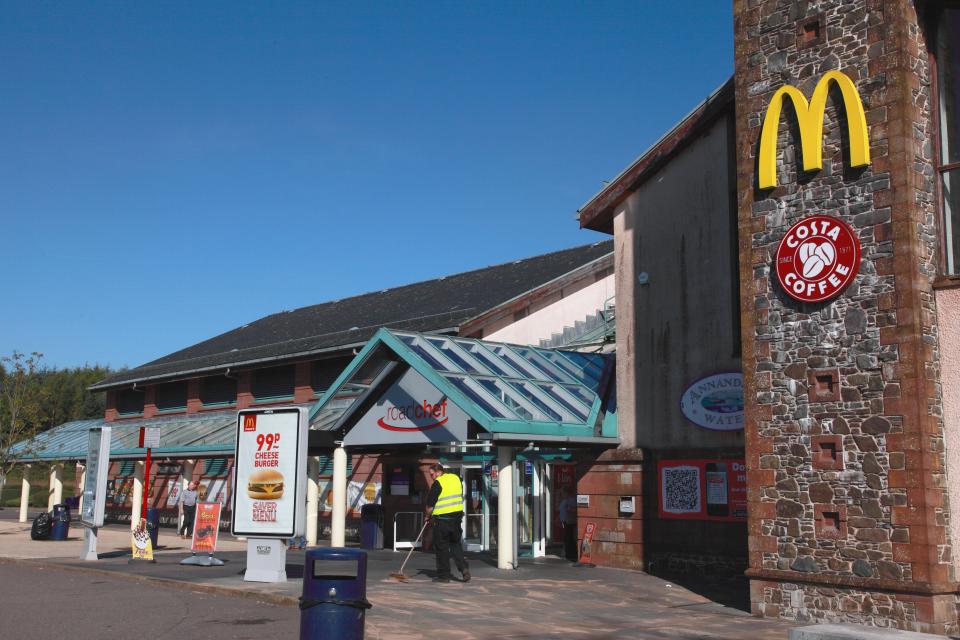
[410, 394]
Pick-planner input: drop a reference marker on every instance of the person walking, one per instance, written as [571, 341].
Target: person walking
[445, 509]
[188, 507]
[568, 520]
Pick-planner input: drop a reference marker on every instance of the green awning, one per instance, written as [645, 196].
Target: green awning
[206, 434]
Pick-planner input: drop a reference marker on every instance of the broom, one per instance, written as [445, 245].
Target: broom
[400, 575]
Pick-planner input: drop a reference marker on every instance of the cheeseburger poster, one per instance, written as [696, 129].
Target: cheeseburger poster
[271, 451]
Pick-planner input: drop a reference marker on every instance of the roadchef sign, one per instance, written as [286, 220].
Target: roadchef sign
[270, 473]
[817, 259]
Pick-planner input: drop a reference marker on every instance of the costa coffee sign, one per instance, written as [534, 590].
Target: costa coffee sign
[409, 411]
[817, 259]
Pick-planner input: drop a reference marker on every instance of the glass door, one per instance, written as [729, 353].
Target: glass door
[533, 496]
[475, 532]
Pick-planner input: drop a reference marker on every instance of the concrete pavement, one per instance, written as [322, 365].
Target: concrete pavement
[547, 598]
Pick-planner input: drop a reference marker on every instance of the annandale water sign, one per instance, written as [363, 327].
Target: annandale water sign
[715, 402]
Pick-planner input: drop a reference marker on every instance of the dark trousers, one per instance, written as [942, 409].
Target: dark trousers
[447, 533]
[189, 511]
[570, 541]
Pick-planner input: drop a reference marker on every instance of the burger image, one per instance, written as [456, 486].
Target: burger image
[265, 484]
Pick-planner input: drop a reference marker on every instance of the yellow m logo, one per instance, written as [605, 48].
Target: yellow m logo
[810, 119]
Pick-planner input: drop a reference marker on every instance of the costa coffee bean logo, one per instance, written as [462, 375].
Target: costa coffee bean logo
[818, 257]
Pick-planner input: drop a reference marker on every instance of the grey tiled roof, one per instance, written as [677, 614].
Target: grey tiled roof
[429, 306]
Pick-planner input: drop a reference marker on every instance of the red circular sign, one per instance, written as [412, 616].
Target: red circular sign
[818, 257]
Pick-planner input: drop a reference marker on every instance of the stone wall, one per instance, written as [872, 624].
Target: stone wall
[845, 446]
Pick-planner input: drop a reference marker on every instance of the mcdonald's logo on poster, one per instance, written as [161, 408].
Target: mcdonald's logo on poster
[810, 117]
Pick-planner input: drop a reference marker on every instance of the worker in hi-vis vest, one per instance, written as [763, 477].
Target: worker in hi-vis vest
[445, 508]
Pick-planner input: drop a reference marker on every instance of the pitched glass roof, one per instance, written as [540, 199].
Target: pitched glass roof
[503, 387]
[207, 433]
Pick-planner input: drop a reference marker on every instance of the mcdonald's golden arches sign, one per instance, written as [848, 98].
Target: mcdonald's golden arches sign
[810, 120]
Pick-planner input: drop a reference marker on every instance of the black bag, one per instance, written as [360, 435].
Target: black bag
[42, 524]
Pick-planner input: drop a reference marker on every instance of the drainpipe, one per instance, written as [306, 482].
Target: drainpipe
[338, 522]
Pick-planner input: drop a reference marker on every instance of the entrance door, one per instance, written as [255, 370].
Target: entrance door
[533, 514]
[475, 522]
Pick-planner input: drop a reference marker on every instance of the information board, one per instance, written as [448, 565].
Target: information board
[702, 489]
[95, 481]
[270, 473]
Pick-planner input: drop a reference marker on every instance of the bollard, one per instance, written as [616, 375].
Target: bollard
[334, 601]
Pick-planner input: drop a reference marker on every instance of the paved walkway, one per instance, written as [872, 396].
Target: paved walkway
[548, 598]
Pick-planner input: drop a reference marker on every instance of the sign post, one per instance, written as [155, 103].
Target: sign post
[95, 489]
[269, 500]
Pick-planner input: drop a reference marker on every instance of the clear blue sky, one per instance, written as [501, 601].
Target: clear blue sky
[169, 171]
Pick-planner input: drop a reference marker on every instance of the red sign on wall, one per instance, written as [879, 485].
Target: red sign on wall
[817, 259]
[702, 489]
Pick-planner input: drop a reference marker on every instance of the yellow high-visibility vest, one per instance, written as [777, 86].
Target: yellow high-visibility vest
[451, 495]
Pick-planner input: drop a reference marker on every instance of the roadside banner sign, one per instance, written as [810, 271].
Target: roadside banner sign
[95, 480]
[270, 473]
[587, 544]
[206, 526]
[140, 543]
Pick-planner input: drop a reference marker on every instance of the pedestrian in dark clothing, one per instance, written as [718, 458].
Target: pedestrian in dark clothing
[188, 503]
[568, 520]
[445, 509]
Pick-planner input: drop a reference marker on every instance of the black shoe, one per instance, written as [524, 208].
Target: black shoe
[466, 575]
[442, 579]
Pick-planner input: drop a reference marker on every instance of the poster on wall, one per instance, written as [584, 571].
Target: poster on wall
[270, 470]
[213, 490]
[173, 493]
[702, 490]
[358, 494]
[715, 402]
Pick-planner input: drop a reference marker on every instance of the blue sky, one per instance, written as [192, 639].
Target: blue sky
[173, 170]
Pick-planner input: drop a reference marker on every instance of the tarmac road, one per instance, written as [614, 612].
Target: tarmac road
[41, 603]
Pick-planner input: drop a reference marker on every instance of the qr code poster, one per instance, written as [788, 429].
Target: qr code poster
[702, 489]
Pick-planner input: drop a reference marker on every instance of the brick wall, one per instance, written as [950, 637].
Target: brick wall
[618, 538]
[848, 508]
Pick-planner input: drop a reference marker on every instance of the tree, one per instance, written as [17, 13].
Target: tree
[19, 405]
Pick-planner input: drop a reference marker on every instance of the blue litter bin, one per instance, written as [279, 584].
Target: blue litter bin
[334, 601]
[153, 525]
[371, 526]
[61, 522]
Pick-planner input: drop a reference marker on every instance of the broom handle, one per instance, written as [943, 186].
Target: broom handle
[414, 546]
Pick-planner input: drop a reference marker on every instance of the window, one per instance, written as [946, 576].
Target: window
[275, 383]
[324, 373]
[948, 89]
[171, 396]
[218, 390]
[129, 402]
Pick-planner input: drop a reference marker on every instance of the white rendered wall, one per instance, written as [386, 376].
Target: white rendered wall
[543, 323]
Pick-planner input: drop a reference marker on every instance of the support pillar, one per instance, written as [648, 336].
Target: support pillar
[55, 495]
[338, 522]
[506, 509]
[313, 498]
[25, 492]
[137, 499]
[82, 473]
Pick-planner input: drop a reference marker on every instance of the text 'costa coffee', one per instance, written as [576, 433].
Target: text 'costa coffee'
[817, 259]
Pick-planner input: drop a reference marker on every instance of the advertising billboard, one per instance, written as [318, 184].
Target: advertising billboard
[95, 480]
[702, 490]
[270, 473]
